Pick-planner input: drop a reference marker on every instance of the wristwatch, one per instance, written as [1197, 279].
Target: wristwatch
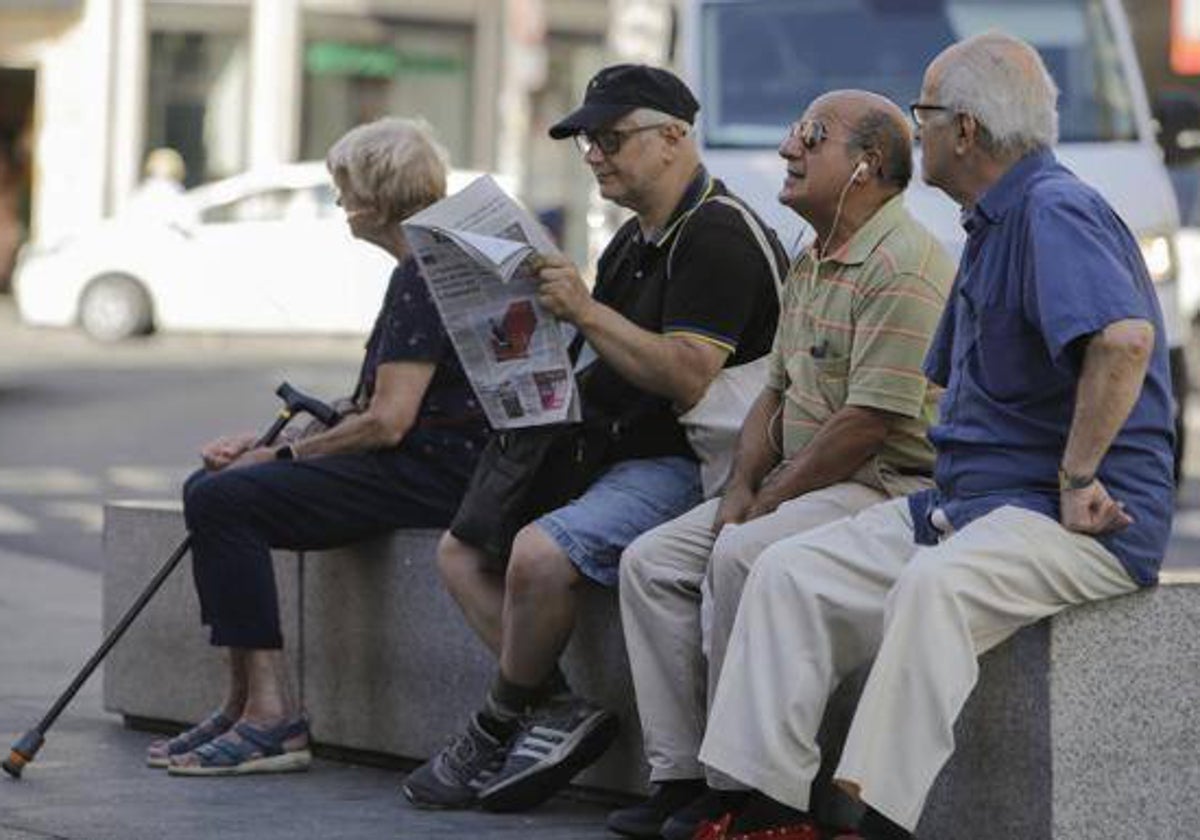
[285, 453]
[1066, 481]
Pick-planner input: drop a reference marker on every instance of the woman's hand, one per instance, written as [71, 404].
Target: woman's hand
[257, 455]
[223, 451]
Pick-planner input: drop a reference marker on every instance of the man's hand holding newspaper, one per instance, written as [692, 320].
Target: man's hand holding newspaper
[561, 290]
[478, 251]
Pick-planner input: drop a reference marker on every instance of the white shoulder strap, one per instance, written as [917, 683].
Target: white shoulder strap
[756, 231]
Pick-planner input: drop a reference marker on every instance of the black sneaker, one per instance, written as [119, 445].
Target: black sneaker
[710, 806]
[454, 777]
[646, 819]
[558, 740]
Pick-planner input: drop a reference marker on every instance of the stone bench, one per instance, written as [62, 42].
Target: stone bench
[384, 662]
[1084, 726]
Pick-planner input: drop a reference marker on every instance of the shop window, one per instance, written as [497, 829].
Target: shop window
[197, 99]
[413, 71]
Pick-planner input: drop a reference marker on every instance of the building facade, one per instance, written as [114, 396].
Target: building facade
[88, 87]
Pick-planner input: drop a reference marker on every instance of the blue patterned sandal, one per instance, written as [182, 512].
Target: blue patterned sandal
[159, 753]
[248, 749]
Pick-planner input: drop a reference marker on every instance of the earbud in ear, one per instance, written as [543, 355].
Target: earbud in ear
[861, 169]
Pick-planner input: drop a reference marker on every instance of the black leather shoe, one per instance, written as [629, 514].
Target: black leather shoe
[645, 819]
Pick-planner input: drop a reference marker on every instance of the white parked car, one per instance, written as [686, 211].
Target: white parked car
[266, 251]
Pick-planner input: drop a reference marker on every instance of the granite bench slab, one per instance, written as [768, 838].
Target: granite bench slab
[1084, 726]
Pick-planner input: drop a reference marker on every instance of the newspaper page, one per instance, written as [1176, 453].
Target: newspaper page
[472, 248]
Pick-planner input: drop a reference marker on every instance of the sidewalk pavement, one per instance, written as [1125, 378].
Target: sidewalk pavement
[27, 348]
[89, 781]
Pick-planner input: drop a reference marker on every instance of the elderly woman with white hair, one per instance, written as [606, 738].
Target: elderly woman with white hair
[400, 458]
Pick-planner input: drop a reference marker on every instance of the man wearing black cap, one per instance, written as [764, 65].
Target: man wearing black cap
[685, 288]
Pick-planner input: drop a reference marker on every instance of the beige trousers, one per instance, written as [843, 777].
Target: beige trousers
[819, 605]
[663, 575]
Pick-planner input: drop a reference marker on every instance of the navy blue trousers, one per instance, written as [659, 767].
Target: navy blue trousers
[237, 516]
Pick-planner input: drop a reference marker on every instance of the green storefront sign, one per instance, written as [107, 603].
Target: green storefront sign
[333, 58]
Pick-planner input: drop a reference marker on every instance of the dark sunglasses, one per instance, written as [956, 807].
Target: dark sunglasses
[609, 140]
[810, 133]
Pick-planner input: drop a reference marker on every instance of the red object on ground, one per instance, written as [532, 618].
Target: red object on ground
[720, 830]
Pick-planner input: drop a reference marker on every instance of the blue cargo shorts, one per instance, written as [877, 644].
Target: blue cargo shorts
[628, 499]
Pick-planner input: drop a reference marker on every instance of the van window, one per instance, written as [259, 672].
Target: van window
[762, 61]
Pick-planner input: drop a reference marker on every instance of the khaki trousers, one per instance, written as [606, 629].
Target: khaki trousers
[819, 605]
[663, 575]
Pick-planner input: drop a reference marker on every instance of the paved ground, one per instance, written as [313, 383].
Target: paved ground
[79, 423]
[66, 442]
[82, 423]
[89, 783]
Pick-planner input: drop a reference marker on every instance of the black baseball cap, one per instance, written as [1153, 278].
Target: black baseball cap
[615, 91]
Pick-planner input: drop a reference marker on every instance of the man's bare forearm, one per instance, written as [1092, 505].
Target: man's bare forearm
[758, 450]
[843, 444]
[1114, 368]
[677, 368]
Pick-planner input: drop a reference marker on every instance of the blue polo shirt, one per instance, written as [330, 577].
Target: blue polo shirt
[1047, 262]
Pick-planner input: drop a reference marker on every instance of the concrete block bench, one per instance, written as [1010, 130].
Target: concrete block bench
[390, 665]
[1082, 727]
[384, 661]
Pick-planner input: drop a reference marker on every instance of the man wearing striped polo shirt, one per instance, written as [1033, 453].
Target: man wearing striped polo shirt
[840, 426]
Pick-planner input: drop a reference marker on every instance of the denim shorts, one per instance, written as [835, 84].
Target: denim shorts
[629, 498]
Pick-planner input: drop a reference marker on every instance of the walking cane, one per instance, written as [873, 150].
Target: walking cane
[27, 745]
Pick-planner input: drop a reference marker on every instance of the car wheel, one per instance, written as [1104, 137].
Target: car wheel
[115, 307]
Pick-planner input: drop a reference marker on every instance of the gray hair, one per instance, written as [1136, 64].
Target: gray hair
[393, 164]
[649, 116]
[1003, 83]
[879, 130]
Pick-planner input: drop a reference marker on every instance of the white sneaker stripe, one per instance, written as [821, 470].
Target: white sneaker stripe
[543, 732]
[540, 743]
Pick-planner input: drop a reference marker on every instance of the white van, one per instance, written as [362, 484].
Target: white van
[756, 64]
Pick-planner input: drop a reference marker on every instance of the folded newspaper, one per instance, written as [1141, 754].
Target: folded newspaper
[473, 249]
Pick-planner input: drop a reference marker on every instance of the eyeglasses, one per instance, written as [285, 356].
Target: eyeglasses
[810, 133]
[609, 140]
[916, 108]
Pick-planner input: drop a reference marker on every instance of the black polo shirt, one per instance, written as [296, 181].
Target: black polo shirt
[720, 290]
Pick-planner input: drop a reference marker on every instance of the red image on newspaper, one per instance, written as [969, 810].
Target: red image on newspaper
[512, 334]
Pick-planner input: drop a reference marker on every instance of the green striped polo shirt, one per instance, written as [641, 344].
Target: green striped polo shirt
[857, 334]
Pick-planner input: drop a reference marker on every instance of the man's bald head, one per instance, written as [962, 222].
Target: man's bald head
[878, 131]
[1003, 83]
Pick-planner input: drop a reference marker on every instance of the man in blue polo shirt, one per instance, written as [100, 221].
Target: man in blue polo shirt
[1053, 475]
